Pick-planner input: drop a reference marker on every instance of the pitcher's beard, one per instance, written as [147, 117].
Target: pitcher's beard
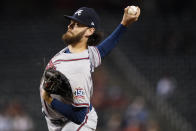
[71, 39]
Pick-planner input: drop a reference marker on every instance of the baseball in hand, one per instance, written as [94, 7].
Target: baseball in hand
[132, 10]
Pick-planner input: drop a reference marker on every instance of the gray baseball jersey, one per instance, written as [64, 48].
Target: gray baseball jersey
[77, 67]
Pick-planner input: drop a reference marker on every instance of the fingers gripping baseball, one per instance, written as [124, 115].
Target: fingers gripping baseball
[131, 14]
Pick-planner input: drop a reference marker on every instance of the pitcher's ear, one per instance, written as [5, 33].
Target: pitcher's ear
[90, 31]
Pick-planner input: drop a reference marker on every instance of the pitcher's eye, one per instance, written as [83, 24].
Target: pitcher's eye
[80, 25]
[77, 24]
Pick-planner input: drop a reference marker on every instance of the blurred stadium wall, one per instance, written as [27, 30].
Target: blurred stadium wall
[160, 45]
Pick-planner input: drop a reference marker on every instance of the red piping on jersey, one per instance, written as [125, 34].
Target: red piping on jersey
[98, 55]
[73, 59]
[85, 120]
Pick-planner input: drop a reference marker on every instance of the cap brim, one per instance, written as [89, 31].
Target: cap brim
[75, 19]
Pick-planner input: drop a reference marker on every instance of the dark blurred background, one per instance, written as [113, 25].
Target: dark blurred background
[146, 84]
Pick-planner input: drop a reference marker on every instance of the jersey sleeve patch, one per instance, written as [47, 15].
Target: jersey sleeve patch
[79, 93]
[80, 98]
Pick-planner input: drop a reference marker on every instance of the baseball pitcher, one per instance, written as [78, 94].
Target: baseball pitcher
[66, 86]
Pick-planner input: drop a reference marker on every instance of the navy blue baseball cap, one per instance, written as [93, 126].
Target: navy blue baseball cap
[86, 16]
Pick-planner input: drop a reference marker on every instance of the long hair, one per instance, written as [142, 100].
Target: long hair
[95, 38]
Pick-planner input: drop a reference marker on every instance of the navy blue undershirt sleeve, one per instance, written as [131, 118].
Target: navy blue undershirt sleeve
[74, 114]
[110, 42]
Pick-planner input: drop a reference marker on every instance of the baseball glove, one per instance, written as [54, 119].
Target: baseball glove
[57, 83]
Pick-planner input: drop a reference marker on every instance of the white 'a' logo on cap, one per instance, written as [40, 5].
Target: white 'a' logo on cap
[78, 12]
